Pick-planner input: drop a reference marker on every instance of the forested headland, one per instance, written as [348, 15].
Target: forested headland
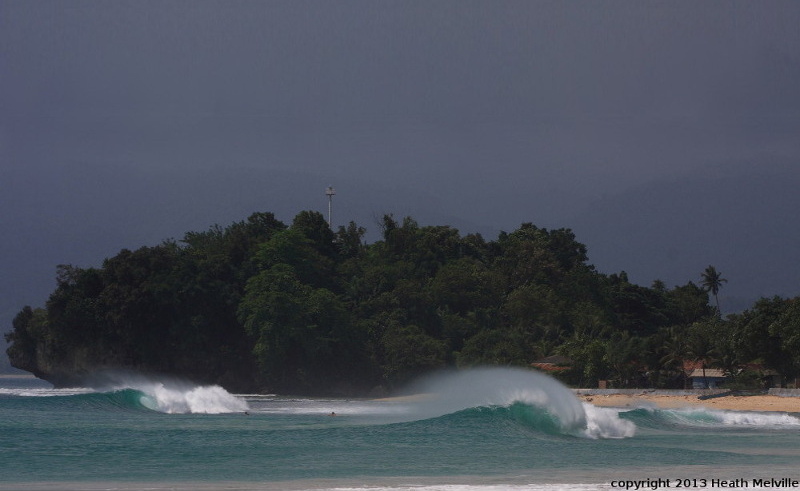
[264, 306]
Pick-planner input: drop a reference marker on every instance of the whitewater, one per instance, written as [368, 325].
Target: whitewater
[483, 429]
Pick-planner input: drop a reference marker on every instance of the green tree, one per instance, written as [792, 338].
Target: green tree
[763, 333]
[674, 351]
[687, 304]
[496, 347]
[622, 356]
[410, 352]
[315, 228]
[29, 333]
[463, 285]
[588, 355]
[639, 310]
[271, 311]
[350, 240]
[701, 346]
[787, 328]
[292, 247]
[712, 281]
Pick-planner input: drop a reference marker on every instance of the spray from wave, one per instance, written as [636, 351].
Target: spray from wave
[451, 392]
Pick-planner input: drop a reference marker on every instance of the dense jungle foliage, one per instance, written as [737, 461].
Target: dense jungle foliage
[260, 305]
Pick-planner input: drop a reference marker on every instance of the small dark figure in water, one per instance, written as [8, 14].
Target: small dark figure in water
[333, 414]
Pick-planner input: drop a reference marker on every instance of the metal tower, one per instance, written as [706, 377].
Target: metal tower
[329, 192]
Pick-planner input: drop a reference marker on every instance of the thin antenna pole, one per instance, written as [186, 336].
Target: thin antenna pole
[329, 192]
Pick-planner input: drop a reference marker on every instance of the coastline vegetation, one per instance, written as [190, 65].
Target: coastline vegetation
[264, 306]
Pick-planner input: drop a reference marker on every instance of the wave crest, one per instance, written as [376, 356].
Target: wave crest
[556, 409]
[170, 395]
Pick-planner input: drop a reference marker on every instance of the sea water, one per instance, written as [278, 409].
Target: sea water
[485, 429]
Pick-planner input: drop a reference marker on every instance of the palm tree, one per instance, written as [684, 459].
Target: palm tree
[712, 281]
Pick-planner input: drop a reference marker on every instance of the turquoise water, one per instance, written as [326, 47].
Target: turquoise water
[486, 429]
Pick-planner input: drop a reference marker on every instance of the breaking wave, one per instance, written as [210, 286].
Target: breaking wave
[529, 398]
[202, 399]
[152, 396]
[708, 418]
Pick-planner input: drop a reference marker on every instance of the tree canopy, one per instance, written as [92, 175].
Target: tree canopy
[264, 306]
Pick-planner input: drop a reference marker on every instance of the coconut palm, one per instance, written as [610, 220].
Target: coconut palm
[712, 281]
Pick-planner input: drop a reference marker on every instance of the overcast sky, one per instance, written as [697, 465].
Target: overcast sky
[546, 91]
[504, 111]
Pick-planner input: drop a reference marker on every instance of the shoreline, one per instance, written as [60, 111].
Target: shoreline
[756, 403]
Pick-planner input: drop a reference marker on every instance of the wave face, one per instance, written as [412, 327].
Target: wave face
[530, 397]
[538, 421]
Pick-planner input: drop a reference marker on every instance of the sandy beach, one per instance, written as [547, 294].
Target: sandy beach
[730, 402]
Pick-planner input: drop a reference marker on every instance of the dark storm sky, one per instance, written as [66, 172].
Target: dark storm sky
[555, 94]
[499, 111]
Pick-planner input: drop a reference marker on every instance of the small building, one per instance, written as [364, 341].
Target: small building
[710, 378]
[769, 378]
[555, 363]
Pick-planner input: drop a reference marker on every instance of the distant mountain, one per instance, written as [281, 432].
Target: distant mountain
[744, 223]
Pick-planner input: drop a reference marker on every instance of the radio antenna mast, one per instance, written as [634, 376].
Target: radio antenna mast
[329, 192]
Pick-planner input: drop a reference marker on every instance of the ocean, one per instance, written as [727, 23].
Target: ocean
[474, 430]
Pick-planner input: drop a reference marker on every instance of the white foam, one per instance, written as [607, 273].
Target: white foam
[211, 399]
[705, 417]
[754, 418]
[605, 423]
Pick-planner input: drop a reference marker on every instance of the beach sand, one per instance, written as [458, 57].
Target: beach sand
[730, 402]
